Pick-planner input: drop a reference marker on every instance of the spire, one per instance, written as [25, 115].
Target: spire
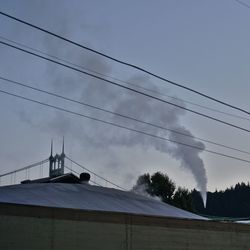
[63, 146]
[56, 163]
[63, 154]
[51, 159]
[62, 159]
[51, 148]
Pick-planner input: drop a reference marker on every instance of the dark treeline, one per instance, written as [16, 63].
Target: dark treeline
[232, 202]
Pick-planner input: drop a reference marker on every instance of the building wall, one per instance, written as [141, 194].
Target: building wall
[34, 228]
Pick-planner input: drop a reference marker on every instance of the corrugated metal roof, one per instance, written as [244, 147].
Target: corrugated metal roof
[88, 197]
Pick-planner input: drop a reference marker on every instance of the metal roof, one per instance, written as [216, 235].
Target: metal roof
[88, 197]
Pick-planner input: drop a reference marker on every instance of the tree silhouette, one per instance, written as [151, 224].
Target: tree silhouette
[162, 186]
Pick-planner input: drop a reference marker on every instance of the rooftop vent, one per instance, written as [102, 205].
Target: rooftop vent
[84, 177]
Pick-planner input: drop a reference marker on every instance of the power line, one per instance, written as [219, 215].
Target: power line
[124, 63]
[120, 115]
[124, 127]
[84, 168]
[243, 3]
[125, 87]
[126, 82]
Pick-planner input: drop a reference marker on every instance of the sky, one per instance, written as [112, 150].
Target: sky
[201, 44]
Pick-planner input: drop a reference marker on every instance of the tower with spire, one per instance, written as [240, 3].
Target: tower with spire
[56, 163]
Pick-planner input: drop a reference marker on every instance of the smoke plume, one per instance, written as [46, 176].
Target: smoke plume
[99, 93]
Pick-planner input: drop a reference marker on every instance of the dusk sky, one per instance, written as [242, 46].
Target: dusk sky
[202, 44]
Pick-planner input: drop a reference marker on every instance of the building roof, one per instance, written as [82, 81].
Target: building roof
[88, 197]
[64, 178]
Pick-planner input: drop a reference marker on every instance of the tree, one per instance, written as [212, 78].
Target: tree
[162, 186]
[183, 199]
[143, 185]
[158, 184]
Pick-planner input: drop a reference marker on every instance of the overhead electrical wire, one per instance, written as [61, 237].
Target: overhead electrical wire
[123, 62]
[126, 82]
[123, 127]
[243, 3]
[118, 114]
[125, 87]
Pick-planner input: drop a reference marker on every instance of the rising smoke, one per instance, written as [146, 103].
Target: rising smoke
[146, 109]
[121, 101]
[169, 117]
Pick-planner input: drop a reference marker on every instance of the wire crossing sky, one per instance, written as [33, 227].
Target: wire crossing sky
[243, 3]
[126, 82]
[202, 45]
[121, 115]
[127, 88]
[122, 127]
[127, 64]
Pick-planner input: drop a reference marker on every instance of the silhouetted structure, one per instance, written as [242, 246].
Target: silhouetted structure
[56, 171]
[56, 163]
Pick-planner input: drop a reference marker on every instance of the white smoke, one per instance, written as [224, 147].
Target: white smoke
[141, 189]
[189, 158]
[166, 116]
[152, 111]
[99, 93]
